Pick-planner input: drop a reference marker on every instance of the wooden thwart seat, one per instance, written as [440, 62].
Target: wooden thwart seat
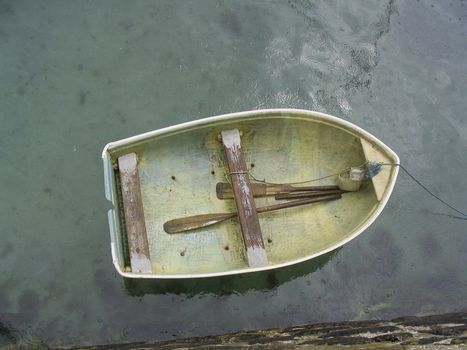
[243, 194]
[134, 214]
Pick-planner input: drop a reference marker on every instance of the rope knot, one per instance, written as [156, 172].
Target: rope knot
[372, 169]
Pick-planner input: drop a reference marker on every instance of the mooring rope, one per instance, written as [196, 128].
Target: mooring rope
[307, 181]
[372, 169]
[418, 182]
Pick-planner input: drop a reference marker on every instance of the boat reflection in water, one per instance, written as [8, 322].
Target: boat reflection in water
[226, 285]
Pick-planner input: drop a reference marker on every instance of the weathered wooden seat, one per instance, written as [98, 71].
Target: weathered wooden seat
[134, 214]
[243, 194]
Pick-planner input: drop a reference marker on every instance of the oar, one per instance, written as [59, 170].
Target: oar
[224, 190]
[203, 220]
[308, 194]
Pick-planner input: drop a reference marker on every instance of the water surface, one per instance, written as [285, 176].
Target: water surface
[76, 75]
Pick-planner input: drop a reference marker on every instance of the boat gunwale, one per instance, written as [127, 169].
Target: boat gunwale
[240, 116]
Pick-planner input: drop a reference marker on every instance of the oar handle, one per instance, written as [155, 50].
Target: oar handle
[307, 194]
[297, 203]
[203, 220]
[224, 189]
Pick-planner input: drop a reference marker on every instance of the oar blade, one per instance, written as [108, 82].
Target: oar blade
[195, 222]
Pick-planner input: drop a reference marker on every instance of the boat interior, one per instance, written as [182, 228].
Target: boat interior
[176, 175]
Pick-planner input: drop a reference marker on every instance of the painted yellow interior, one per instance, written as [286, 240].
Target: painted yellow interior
[179, 172]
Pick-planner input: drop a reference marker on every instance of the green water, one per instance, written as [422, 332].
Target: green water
[76, 75]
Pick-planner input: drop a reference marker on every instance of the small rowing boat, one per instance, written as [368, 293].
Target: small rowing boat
[242, 192]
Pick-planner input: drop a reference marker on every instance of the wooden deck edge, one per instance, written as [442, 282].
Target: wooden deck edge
[446, 331]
